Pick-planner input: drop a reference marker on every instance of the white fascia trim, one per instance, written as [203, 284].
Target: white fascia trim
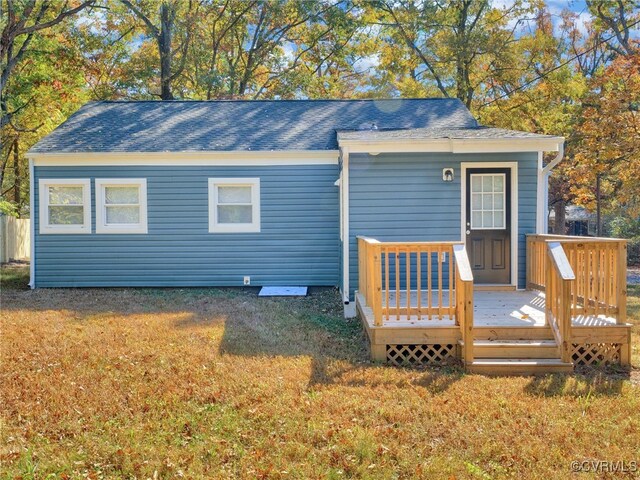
[254, 226]
[43, 220]
[454, 145]
[344, 195]
[231, 158]
[101, 214]
[32, 226]
[514, 207]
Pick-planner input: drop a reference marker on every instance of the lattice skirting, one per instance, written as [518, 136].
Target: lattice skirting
[595, 353]
[402, 355]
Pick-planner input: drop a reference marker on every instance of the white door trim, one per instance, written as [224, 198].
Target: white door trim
[513, 166]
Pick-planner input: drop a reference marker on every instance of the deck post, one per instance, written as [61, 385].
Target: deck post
[625, 353]
[376, 276]
[378, 352]
[565, 316]
[621, 294]
[464, 301]
[468, 322]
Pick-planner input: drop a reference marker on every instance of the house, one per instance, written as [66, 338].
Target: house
[229, 193]
[578, 221]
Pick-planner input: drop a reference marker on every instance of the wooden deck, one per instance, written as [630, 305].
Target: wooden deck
[563, 320]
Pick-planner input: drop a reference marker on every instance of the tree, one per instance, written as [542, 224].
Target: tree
[543, 97]
[260, 49]
[609, 151]
[22, 21]
[440, 48]
[163, 32]
[617, 17]
[40, 73]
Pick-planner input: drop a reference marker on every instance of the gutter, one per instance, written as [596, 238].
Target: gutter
[32, 221]
[544, 173]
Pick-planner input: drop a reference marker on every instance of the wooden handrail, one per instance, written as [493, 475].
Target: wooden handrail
[464, 300]
[462, 263]
[560, 261]
[558, 297]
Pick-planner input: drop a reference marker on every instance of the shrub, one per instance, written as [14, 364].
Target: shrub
[633, 251]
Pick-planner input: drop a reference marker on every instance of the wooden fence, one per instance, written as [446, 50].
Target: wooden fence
[15, 236]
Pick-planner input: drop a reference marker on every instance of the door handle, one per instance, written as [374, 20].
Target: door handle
[468, 232]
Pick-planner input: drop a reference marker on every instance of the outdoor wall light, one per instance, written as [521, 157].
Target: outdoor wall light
[447, 174]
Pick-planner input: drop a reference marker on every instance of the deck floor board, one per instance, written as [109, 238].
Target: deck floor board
[491, 309]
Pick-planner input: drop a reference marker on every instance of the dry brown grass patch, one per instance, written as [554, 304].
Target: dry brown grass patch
[209, 383]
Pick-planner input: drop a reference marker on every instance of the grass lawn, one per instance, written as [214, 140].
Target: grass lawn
[193, 383]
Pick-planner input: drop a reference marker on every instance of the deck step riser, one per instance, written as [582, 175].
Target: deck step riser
[491, 370]
[512, 333]
[515, 352]
[520, 366]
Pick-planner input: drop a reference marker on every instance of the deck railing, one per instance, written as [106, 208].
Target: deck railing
[559, 279]
[599, 266]
[411, 280]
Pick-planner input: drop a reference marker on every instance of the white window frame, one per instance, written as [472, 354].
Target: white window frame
[214, 225]
[101, 213]
[504, 200]
[45, 226]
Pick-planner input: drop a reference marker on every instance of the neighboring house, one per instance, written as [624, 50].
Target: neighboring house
[282, 193]
[578, 221]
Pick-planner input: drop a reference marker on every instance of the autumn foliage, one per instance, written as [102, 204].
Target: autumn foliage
[609, 137]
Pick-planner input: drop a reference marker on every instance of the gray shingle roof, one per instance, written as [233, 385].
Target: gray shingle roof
[478, 132]
[182, 126]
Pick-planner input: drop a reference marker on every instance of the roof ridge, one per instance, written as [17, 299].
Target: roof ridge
[301, 100]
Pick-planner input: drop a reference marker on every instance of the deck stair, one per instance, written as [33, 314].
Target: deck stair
[516, 357]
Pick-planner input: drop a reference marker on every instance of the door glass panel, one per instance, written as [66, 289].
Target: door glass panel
[476, 183]
[488, 201]
[498, 183]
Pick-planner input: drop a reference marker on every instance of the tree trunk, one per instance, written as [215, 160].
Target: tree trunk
[559, 227]
[598, 204]
[167, 16]
[17, 197]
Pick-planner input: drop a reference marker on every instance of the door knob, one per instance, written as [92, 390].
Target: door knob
[468, 232]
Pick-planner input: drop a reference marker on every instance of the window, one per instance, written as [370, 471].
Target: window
[121, 205]
[234, 205]
[488, 192]
[65, 206]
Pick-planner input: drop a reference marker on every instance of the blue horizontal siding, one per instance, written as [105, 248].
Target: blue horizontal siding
[298, 243]
[401, 197]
